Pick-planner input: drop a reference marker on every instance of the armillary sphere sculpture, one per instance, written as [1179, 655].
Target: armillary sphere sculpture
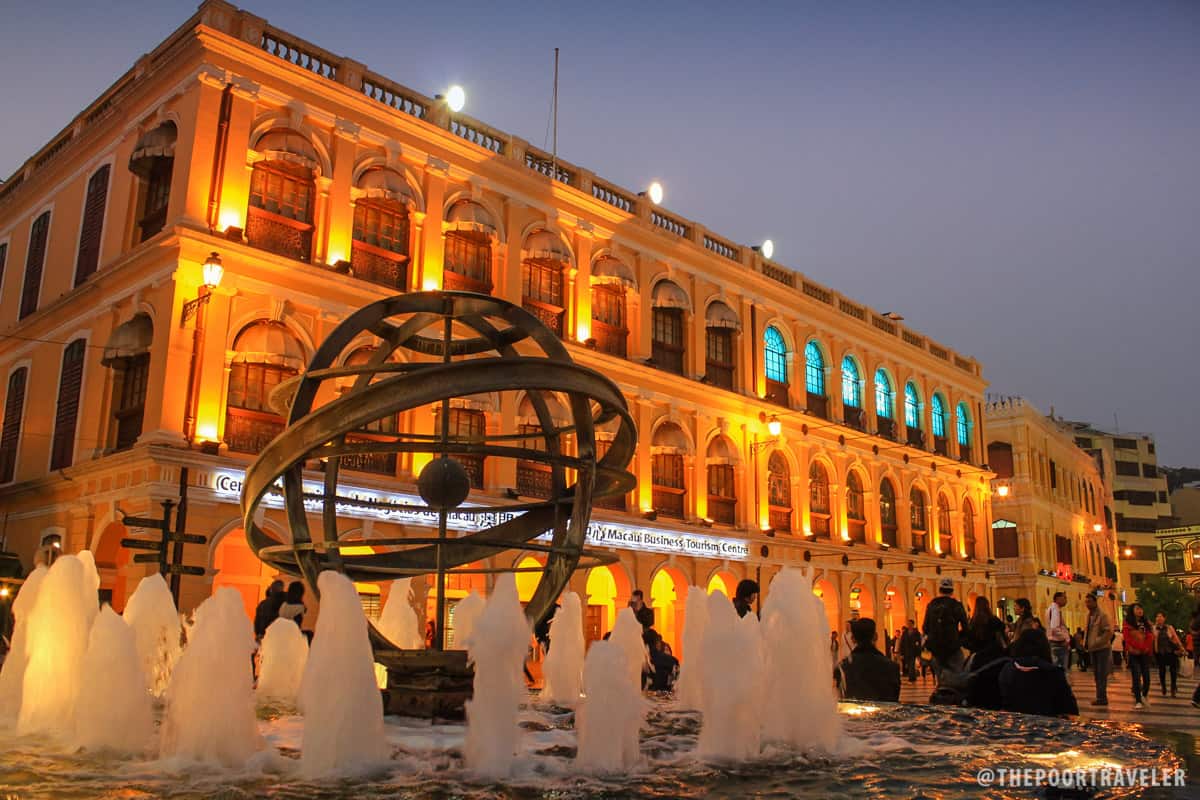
[433, 347]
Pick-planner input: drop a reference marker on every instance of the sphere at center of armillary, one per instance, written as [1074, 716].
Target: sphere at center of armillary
[443, 484]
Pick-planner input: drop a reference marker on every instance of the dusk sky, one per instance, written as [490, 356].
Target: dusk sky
[1021, 182]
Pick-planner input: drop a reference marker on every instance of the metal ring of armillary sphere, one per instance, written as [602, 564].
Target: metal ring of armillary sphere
[439, 349]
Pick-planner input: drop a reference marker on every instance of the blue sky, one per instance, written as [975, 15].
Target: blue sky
[1020, 180]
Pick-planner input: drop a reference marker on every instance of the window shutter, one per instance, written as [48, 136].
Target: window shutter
[34, 262]
[93, 225]
[10, 434]
[3, 259]
[62, 449]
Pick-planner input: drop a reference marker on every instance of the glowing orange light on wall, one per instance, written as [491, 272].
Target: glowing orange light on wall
[430, 285]
[583, 331]
[229, 218]
[206, 431]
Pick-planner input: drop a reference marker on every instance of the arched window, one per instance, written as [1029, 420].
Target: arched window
[667, 340]
[610, 325]
[70, 382]
[852, 393]
[818, 499]
[668, 487]
[814, 379]
[722, 490]
[127, 354]
[963, 423]
[779, 492]
[266, 355]
[35, 262]
[535, 477]
[465, 425]
[10, 433]
[93, 224]
[969, 538]
[543, 265]
[856, 515]
[380, 430]
[282, 187]
[153, 161]
[720, 324]
[775, 361]
[887, 512]
[914, 436]
[885, 405]
[945, 530]
[468, 258]
[916, 518]
[937, 412]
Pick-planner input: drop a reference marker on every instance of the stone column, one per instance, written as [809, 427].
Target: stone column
[580, 312]
[432, 238]
[199, 110]
[341, 203]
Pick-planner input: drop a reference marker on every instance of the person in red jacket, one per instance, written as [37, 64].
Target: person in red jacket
[1139, 644]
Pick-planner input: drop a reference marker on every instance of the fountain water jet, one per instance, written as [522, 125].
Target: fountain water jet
[802, 714]
[57, 638]
[687, 688]
[343, 711]
[91, 583]
[563, 667]
[627, 635]
[12, 676]
[466, 614]
[731, 683]
[497, 646]
[210, 701]
[281, 660]
[115, 711]
[151, 613]
[609, 719]
[398, 621]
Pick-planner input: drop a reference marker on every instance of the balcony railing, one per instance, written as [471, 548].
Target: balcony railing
[534, 480]
[379, 266]
[941, 445]
[550, 316]
[279, 235]
[249, 431]
[719, 374]
[375, 463]
[780, 519]
[818, 405]
[886, 427]
[668, 501]
[915, 437]
[854, 417]
[722, 509]
[777, 393]
[858, 530]
[613, 341]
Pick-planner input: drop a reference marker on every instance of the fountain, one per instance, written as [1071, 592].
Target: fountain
[802, 714]
[56, 640]
[114, 712]
[466, 614]
[563, 667]
[343, 713]
[497, 647]
[609, 719]
[687, 688]
[12, 676]
[209, 713]
[398, 621]
[627, 635]
[150, 611]
[731, 683]
[282, 656]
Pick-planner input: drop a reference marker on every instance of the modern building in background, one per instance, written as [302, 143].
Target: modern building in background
[184, 244]
[1185, 504]
[1140, 502]
[1052, 526]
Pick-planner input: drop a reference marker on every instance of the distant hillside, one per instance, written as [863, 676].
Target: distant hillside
[1178, 476]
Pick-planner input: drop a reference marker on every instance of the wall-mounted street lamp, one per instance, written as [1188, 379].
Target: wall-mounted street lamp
[212, 271]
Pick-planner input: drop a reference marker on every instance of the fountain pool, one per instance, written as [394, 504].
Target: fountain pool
[888, 750]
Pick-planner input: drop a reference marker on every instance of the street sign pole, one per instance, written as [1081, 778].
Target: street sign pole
[180, 527]
[166, 537]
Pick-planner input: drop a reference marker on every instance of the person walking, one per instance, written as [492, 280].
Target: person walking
[1139, 644]
[945, 623]
[1057, 632]
[985, 635]
[1167, 650]
[866, 673]
[909, 647]
[1026, 620]
[1098, 643]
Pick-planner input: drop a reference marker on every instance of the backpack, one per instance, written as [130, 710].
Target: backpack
[941, 627]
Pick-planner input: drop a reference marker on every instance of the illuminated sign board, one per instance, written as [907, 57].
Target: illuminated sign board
[406, 508]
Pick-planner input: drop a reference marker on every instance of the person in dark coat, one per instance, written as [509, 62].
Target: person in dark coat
[945, 623]
[910, 649]
[268, 609]
[643, 612]
[867, 674]
[1031, 683]
[985, 635]
[744, 597]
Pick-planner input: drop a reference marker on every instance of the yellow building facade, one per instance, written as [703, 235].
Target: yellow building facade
[321, 187]
[1053, 524]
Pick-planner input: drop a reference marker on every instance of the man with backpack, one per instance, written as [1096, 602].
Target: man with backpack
[945, 623]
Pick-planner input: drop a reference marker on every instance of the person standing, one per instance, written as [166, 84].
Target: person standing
[985, 635]
[866, 673]
[268, 609]
[1058, 633]
[744, 597]
[945, 623]
[1025, 619]
[1031, 684]
[643, 612]
[1098, 642]
[1167, 649]
[293, 604]
[1139, 644]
